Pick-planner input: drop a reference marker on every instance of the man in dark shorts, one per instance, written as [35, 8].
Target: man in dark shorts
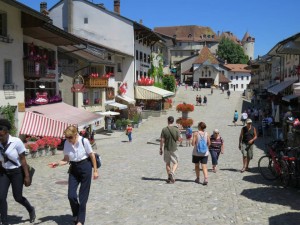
[246, 141]
[168, 145]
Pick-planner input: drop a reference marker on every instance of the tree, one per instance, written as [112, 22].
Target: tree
[169, 82]
[231, 52]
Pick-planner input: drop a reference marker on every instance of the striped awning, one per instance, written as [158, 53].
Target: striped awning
[35, 124]
[151, 92]
[51, 119]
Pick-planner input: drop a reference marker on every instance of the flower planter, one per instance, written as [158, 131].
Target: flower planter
[53, 151]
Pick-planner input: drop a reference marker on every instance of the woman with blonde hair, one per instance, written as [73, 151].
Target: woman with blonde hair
[200, 157]
[78, 152]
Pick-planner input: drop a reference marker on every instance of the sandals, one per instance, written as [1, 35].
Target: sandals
[205, 182]
[171, 177]
[197, 181]
[243, 170]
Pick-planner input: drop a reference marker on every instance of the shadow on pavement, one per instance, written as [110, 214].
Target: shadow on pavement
[160, 179]
[60, 219]
[258, 179]
[231, 169]
[285, 219]
[274, 195]
[15, 219]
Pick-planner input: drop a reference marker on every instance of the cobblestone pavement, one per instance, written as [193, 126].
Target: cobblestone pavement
[132, 188]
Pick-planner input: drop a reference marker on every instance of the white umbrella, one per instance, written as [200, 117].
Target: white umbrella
[276, 118]
[108, 113]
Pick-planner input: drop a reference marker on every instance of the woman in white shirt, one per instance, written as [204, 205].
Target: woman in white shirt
[78, 152]
[13, 171]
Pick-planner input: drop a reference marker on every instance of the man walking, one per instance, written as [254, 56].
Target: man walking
[168, 145]
[246, 141]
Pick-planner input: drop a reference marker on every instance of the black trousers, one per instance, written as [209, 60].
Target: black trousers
[80, 173]
[15, 178]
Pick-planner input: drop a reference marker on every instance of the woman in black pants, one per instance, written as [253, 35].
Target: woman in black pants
[13, 163]
[78, 151]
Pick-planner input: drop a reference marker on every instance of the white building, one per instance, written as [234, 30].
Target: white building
[238, 75]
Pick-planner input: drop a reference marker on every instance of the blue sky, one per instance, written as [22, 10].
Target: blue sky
[268, 21]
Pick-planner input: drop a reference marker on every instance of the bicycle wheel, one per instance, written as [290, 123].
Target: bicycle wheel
[266, 168]
[285, 176]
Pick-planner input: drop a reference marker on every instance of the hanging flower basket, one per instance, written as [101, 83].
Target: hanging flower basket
[183, 107]
[185, 122]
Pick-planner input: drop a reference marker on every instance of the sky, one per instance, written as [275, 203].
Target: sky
[268, 21]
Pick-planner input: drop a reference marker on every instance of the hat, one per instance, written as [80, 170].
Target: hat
[248, 121]
[216, 131]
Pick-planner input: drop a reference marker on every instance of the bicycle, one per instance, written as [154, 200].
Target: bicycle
[292, 159]
[272, 166]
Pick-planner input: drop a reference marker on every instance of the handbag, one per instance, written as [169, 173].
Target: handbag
[97, 156]
[31, 172]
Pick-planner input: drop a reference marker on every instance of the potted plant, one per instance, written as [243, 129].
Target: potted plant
[118, 124]
[32, 147]
[41, 146]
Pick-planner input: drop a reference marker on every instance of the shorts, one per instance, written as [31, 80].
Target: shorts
[247, 150]
[188, 136]
[200, 159]
[235, 119]
[171, 156]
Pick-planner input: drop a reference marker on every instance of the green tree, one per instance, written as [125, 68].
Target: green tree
[169, 82]
[8, 112]
[232, 52]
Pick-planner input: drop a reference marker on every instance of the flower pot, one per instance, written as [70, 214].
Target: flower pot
[53, 151]
[40, 152]
[33, 154]
[185, 115]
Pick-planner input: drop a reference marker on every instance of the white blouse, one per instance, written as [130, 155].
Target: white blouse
[15, 148]
[78, 152]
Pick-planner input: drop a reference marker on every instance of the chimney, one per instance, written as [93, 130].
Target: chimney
[43, 7]
[225, 62]
[141, 21]
[117, 6]
[218, 33]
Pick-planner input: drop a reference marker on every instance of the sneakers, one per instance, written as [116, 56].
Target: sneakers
[32, 215]
[171, 178]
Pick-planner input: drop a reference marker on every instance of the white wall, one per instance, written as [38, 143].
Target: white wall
[241, 80]
[13, 52]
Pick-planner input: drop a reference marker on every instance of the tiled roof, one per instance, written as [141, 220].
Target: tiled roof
[206, 55]
[188, 33]
[230, 36]
[223, 79]
[237, 68]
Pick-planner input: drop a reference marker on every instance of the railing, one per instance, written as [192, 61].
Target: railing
[97, 82]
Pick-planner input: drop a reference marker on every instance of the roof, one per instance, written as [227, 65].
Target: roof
[230, 36]
[151, 92]
[290, 45]
[206, 56]
[188, 72]
[223, 79]
[237, 68]
[189, 33]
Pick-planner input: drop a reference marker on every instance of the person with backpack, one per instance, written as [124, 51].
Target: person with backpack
[188, 135]
[201, 143]
[246, 140]
[79, 154]
[13, 172]
[216, 147]
[168, 147]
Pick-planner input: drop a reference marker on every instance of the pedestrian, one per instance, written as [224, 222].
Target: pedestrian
[13, 171]
[244, 117]
[78, 152]
[211, 90]
[216, 147]
[234, 87]
[197, 100]
[246, 141]
[168, 147]
[204, 100]
[223, 89]
[186, 87]
[180, 128]
[235, 117]
[200, 100]
[129, 132]
[200, 158]
[188, 135]
[228, 93]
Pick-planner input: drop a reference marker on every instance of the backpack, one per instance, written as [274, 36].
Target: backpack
[97, 156]
[202, 145]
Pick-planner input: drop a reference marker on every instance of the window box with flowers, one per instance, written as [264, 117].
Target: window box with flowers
[97, 101]
[86, 101]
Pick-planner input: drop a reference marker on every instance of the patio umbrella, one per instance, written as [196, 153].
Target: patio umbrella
[276, 118]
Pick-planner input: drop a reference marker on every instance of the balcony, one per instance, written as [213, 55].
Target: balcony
[97, 82]
[33, 69]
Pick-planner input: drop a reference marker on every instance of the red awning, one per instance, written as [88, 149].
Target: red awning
[40, 125]
[52, 119]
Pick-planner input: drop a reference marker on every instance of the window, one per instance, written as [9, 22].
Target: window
[3, 24]
[86, 20]
[109, 69]
[148, 58]
[141, 73]
[247, 77]
[231, 85]
[119, 67]
[136, 54]
[236, 77]
[242, 77]
[141, 56]
[145, 57]
[242, 85]
[236, 86]
[8, 72]
[192, 53]
[179, 43]
[97, 99]
[231, 77]
[109, 56]
[209, 73]
[145, 74]
[136, 75]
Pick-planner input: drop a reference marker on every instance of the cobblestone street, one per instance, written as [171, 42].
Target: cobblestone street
[132, 188]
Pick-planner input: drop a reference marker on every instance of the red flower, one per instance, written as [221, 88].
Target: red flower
[183, 107]
[185, 122]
